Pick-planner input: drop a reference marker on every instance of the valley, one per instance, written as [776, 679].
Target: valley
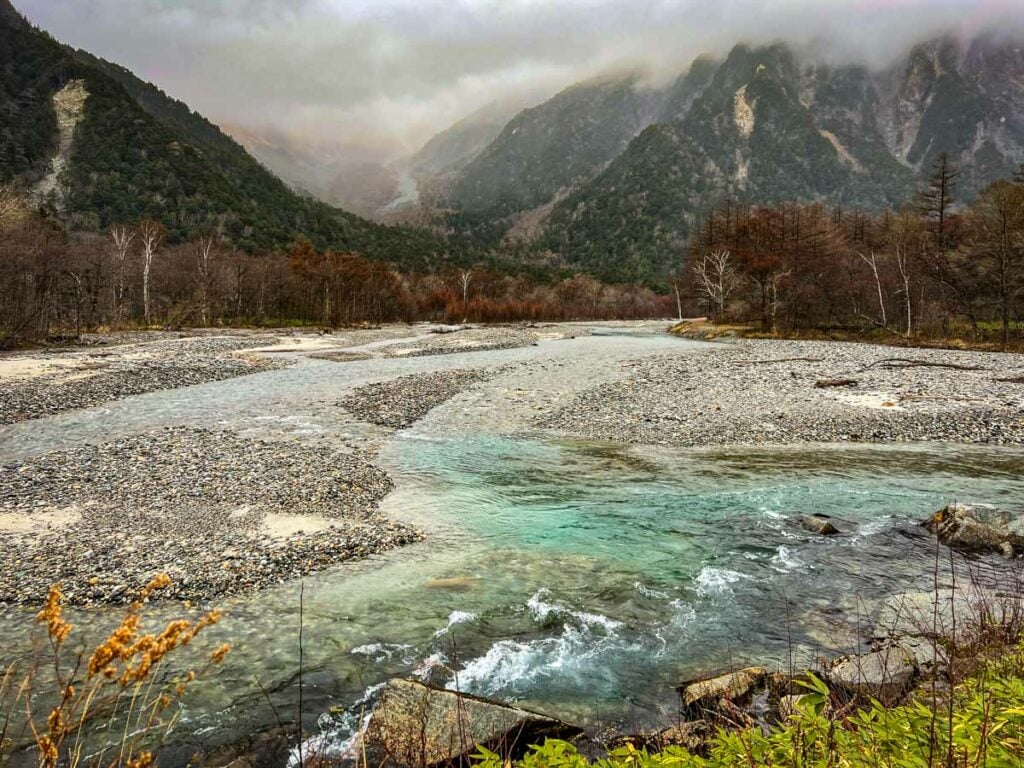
[487, 387]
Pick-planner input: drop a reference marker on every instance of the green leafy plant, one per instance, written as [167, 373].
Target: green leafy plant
[982, 725]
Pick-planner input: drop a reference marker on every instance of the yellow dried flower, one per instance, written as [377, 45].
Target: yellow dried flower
[220, 652]
[48, 754]
[51, 615]
[160, 581]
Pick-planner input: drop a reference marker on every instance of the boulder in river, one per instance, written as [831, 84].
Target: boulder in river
[716, 694]
[970, 528]
[886, 674]
[820, 524]
[418, 724]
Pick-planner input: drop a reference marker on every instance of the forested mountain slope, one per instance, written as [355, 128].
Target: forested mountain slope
[129, 151]
[769, 128]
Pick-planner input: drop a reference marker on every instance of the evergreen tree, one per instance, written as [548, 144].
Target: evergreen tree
[938, 196]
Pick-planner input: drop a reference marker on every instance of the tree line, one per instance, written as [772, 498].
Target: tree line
[134, 275]
[932, 269]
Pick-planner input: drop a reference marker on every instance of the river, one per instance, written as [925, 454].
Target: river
[584, 579]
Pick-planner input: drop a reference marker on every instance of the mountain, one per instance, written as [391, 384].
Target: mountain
[350, 176]
[99, 146]
[453, 148]
[547, 148]
[769, 128]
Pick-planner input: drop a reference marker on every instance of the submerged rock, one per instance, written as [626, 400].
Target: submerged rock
[923, 619]
[717, 693]
[978, 529]
[886, 674]
[418, 724]
[820, 524]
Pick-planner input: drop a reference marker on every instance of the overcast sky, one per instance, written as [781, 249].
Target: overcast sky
[393, 72]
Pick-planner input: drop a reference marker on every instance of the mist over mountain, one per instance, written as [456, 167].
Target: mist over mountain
[97, 146]
[609, 175]
[614, 176]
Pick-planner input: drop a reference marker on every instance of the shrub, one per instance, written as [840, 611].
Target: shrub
[108, 706]
[980, 724]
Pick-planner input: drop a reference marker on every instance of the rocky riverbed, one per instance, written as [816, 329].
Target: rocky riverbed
[44, 385]
[778, 392]
[402, 402]
[469, 339]
[219, 513]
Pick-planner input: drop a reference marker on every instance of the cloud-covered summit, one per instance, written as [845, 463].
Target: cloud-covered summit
[389, 74]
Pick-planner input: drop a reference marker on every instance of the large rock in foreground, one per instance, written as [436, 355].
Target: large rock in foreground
[820, 524]
[718, 694]
[417, 724]
[978, 529]
[886, 675]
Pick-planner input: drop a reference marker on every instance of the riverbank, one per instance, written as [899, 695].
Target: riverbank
[34, 385]
[767, 392]
[220, 514]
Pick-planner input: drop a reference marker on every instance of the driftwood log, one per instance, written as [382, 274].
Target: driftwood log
[825, 383]
[902, 362]
[781, 360]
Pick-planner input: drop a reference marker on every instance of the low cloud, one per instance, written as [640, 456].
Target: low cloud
[390, 73]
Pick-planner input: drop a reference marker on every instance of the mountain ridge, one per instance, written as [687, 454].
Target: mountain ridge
[765, 125]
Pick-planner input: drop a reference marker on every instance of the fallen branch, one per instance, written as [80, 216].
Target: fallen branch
[824, 383]
[781, 360]
[902, 362]
[937, 399]
[1013, 380]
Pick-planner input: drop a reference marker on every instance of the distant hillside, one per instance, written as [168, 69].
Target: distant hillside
[127, 151]
[347, 176]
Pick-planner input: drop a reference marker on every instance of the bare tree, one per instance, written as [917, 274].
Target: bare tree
[464, 280]
[872, 262]
[122, 237]
[902, 261]
[151, 233]
[997, 247]
[204, 251]
[13, 208]
[716, 279]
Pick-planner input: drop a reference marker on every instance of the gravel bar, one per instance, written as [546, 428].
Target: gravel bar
[776, 392]
[469, 340]
[219, 513]
[131, 370]
[402, 402]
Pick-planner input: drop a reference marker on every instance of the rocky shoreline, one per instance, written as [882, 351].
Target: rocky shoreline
[221, 514]
[923, 643]
[777, 392]
[97, 376]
